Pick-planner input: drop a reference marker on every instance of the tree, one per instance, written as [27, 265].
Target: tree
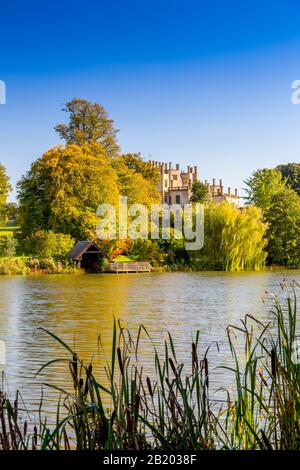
[200, 193]
[135, 163]
[5, 187]
[63, 188]
[48, 244]
[283, 217]
[149, 250]
[9, 247]
[234, 239]
[137, 179]
[12, 212]
[262, 186]
[291, 172]
[88, 123]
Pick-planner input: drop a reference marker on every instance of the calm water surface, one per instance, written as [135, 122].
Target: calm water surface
[79, 307]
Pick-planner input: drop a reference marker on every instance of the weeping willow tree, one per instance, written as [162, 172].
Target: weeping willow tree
[234, 239]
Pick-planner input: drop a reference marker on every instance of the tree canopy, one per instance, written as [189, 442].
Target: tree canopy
[291, 173]
[283, 232]
[262, 186]
[200, 193]
[234, 239]
[63, 188]
[88, 123]
[137, 179]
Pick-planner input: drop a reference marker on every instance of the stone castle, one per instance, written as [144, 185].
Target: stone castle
[175, 185]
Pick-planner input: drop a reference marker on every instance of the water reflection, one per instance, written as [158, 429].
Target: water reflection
[79, 308]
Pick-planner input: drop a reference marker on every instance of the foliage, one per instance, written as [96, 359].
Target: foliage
[135, 163]
[24, 265]
[137, 180]
[291, 173]
[200, 193]
[12, 212]
[148, 250]
[283, 218]
[124, 259]
[176, 254]
[5, 187]
[48, 244]
[233, 239]
[262, 186]
[88, 123]
[16, 265]
[174, 410]
[8, 247]
[138, 189]
[121, 247]
[63, 188]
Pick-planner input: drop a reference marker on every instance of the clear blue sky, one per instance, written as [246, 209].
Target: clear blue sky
[195, 82]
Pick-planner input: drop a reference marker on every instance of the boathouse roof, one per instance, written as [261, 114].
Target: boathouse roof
[83, 246]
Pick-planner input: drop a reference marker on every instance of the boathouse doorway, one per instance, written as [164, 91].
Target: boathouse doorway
[88, 256]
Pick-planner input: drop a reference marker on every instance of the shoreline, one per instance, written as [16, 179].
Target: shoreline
[27, 271]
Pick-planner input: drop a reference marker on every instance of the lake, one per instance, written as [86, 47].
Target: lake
[78, 308]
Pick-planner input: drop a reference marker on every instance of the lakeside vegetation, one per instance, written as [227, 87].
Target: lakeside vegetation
[59, 195]
[173, 409]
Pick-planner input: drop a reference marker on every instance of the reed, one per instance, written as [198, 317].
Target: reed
[173, 409]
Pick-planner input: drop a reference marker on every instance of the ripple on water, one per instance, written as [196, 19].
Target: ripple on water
[79, 308]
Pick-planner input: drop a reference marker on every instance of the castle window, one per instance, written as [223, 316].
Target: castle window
[166, 183]
[174, 177]
[177, 199]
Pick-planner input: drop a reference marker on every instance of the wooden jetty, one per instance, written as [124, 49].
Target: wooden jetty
[131, 267]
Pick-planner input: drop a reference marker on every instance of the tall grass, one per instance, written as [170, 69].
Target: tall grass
[173, 409]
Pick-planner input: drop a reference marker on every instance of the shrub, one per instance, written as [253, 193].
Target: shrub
[13, 266]
[173, 408]
[48, 244]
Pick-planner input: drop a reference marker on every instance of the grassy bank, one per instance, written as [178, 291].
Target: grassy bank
[21, 265]
[173, 409]
[27, 265]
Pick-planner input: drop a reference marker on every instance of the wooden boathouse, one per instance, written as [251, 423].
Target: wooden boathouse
[90, 256]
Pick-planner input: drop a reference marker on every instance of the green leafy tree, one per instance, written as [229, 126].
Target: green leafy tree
[9, 247]
[137, 179]
[5, 187]
[149, 250]
[291, 173]
[283, 217]
[88, 123]
[63, 188]
[200, 193]
[234, 239]
[48, 244]
[262, 186]
[135, 163]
